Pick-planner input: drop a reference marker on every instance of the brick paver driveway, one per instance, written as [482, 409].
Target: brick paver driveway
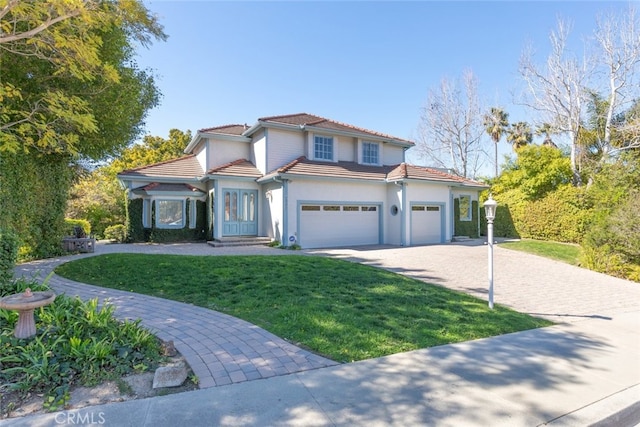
[527, 283]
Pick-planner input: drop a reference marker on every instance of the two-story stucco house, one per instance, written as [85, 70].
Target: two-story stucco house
[301, 179]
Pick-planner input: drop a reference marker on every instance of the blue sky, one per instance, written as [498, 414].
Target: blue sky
[366, 63]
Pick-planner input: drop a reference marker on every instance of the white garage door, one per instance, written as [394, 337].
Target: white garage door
[426, 224]
[325, 226]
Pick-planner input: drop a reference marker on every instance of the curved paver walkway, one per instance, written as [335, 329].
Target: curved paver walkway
[220, 349]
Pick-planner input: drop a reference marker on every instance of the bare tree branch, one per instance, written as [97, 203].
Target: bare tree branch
[451, 128]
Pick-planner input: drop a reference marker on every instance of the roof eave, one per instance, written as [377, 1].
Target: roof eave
[358, 134]
[223, 136]
[236, 177]
[166, 179]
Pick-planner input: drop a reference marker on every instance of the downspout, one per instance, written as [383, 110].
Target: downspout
[403, 222]
[215, 207]
[479, 211]
[285, 213]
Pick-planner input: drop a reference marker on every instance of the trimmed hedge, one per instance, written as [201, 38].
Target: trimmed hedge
[465, 228]
[8, 254]
[137, 233]
[33, 196]
[70, 224]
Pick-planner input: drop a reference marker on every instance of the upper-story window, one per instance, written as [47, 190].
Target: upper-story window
[323, 148]
[370, 153]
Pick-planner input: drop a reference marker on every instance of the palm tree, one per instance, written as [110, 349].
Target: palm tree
[547, 130]
[519, 134]
[495, 124]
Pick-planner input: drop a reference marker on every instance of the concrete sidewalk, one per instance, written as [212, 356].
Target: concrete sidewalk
[566, 375]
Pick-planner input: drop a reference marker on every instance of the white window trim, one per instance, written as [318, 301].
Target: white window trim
[146, 213]
[166, 226]
[361, 152]
[470, 214]
[192, 214]
[333, 148]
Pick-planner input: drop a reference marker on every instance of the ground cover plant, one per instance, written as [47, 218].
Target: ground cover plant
[559, 251]
[343, 310]
[77, 343]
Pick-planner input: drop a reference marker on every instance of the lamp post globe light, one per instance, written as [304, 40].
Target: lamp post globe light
[490, 213]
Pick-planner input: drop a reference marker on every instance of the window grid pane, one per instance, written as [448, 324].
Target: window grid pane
[323, 148]
[370, 153]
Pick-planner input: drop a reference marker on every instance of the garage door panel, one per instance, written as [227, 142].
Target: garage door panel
[426, 224]
[338, 225]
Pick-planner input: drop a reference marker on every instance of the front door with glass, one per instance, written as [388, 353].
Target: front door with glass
[240, 212]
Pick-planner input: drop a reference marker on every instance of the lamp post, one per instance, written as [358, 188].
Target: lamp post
[490, 213]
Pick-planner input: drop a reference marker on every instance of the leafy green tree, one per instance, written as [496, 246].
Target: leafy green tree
[537, 171]
[98, 197]
[496, 123]
[70, 90]
[58, 59]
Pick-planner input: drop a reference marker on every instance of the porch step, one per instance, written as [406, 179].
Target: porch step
[239, 241]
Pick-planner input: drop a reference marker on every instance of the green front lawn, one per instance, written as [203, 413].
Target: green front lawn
[343, 310]
[559, 251]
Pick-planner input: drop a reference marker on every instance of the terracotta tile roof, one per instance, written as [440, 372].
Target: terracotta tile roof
[406, 171]
[240, 167]
[300, 119]
[157, 186]
[303, 166]
[227, 129]
[183, 167]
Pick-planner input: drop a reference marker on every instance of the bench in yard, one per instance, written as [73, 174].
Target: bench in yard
[78, 244]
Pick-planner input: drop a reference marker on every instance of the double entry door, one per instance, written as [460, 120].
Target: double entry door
[240, 212]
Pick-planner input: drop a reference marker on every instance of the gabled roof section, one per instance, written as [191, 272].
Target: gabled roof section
[239, 168]
[406, 171]
[305, 119]
[350, 170]
[226, 129]
[186, 167]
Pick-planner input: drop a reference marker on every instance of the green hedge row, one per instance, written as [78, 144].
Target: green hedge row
[560, 216]
[8, 254]
[33, 196]
[137, 233]
[465, 228]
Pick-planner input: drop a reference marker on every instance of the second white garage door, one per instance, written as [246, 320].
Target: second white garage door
[325, 226]
[426, 224]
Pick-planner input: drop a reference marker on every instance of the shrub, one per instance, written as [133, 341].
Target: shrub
[77, 343]
[8, 254]
[612, 244]
[71, 224]
[117, 233]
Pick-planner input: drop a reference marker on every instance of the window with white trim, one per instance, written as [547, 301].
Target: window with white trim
[323, 148]
[146, 213]
[370, 153]
[192, 213]
[465, 208]
[170, 213]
